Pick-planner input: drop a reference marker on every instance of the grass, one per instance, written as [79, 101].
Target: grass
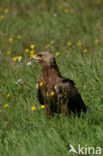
[50, 25]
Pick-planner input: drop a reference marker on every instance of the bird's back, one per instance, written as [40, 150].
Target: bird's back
[69, 91]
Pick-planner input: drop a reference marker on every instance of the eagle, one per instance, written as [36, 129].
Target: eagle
[58, 94]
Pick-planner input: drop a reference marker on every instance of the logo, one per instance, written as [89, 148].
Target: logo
[72, 149]
[85, 150]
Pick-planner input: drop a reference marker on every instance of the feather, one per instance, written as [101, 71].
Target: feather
[59, 94]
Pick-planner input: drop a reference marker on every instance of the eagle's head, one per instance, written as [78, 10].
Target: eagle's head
[44, 58]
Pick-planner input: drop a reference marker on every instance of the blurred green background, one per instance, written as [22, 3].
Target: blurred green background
[73, 32]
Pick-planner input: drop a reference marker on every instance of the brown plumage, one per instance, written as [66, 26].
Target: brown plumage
[58, 94]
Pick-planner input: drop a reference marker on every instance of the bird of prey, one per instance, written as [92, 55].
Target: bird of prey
[58, 94]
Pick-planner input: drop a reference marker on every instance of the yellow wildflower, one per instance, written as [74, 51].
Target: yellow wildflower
[32, 52]
[57, 53]
[96, 41]
[6, 123]
[41, 84]
[71, 11]
[52, 93]
[42, 106]
[8, 95]
[85, 50]
[80, 44]
[69, 44]
[66, 10]
[26, 50]
[8, 52]
[10, 39]
[6, 105]
[1, 17]
[15, 58]
[33, 108]
[6, 10]
[32, 56]
[32, 46]
[19, 37]
[47, 45]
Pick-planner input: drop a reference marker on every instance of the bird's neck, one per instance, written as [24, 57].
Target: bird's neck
[50, 75]
[48, 70]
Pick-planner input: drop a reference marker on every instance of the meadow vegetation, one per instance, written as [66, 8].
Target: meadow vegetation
[73, 32]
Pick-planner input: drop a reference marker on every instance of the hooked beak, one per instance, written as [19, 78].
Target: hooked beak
[35, 58]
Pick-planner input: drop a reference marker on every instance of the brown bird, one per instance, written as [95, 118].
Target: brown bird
[58, 94]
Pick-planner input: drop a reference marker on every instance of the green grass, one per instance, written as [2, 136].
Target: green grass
[31, 132]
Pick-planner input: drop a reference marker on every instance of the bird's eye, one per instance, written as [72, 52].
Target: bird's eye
[39, 55]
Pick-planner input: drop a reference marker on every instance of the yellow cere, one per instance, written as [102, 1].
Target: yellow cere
[19, 37]
[42, 106]
[57, 53]
[85, 50]
[26, 50]
[6, 105]
[8, 52]
[41, 84]
[6, 11]
[69, 44]
[8, 95]
[10, 39]
[80, 44]
[52, 93]
[32, 46]
[33, 108]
